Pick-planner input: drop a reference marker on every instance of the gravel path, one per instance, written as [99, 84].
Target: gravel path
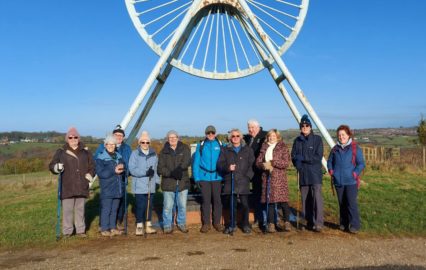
[295, 250]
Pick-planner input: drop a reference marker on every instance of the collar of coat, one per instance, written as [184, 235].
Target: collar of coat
[151, 152]
[168, 150]
[105, 156]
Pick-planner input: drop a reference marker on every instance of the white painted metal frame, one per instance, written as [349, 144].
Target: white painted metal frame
[265, 49]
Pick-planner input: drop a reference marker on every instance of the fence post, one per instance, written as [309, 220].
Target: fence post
[424, 158]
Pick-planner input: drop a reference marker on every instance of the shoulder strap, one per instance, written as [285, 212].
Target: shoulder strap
[202, 145]
[353, 152]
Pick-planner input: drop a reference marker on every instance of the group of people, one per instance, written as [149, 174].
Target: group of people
[225, 172]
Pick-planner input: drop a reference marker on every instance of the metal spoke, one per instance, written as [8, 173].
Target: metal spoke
[274, 9]
[201, 38]
[217, 40]
[232, 41]
[248, 38]
[270, 15]
[239, 40]
[289, 4]
[224, 43]
[169, 22]
[166, 14]
[191, 39]
[208, 42]
[157, 7]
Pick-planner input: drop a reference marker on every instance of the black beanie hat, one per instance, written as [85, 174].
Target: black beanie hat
[305, 121]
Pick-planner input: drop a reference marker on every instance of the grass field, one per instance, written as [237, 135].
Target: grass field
[390, 205]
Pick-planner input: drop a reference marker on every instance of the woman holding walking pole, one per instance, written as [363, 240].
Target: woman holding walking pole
[274, 160]
[143, 166]
[345, 165]
[235, 165]
[75, 164]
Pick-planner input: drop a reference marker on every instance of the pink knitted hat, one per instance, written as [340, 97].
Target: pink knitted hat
[72, 132]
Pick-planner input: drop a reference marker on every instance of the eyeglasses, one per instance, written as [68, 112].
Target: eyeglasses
[144, 143]
[235, 136]
[72, 137]
[110, 144]
[173, 138]
[211, 132]
[305, 125]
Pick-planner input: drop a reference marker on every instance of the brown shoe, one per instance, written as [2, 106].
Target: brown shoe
[218, 227]
[287, 226]
[271, 228]
[205, 228]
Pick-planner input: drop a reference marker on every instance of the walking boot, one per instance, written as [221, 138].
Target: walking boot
[149, 229]
[218, 227]
[287, 226]
[139, 229]
[116, 232]
[205, 228]
[271, 228]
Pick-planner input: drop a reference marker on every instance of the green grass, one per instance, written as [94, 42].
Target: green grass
[390, 205]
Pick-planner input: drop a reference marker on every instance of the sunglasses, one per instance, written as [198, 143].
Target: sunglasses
[304, 125]
[211, 132]
[235, 136]
[72, 137]
[144, 143]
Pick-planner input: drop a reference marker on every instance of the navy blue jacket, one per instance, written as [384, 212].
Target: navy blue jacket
[306, 155]
[110, 182]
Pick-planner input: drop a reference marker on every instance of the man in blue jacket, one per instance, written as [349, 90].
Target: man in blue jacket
[206, 176]
[306, 155]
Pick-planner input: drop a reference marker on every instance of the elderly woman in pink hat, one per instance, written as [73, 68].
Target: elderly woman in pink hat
[74, 161]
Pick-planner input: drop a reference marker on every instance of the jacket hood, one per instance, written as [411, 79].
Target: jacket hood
[167, 149]
[105, 156]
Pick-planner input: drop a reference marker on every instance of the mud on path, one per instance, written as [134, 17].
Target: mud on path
[295, 250]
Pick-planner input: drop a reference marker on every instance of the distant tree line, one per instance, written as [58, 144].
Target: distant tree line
[47, 136]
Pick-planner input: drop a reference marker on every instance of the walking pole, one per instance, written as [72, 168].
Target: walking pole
[232, 204]
[58, 209]
[125, 204]
[331, 185]
[268, 188]
[298, 200]
[147, 207]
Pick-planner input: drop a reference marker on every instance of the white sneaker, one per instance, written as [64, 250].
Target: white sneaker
[139, 229]
[149, 229]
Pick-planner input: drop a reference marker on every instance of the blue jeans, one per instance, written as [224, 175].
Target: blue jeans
[169, 201]
[141, 205]
[109, 209]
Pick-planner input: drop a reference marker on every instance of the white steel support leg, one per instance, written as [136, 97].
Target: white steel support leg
[286, 72]
[160, 63]
[277, 79]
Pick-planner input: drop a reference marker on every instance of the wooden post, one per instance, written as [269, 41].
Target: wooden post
[424, 157]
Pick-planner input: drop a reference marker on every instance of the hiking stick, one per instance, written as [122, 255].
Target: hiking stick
[147, 205]
[58, 209]
[331, 185]
[298, 200]
[125, 204]
[268, 189]
[232, 204]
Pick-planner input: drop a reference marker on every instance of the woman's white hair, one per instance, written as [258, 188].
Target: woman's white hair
[110, 139]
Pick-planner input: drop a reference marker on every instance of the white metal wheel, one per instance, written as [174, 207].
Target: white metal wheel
[219, 44]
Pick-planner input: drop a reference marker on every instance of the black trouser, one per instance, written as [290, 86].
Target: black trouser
[242, 202]
[271, 211]
[210, 190]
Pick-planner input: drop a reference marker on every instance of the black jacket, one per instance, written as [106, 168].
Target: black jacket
[170, 159]
[310, 149]
[243, 171]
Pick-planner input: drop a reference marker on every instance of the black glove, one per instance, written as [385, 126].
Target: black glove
[150, 172]
[177, 173]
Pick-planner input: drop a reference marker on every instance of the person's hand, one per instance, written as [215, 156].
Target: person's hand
[89, 177]
[268, 166]
[358, 180]
[298, 162]
[59, 167]
[232, 167]
[177, 173]
[330, 172]
[119, 168]
[150, 172]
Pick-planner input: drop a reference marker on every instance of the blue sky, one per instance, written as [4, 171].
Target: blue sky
[82, 63]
